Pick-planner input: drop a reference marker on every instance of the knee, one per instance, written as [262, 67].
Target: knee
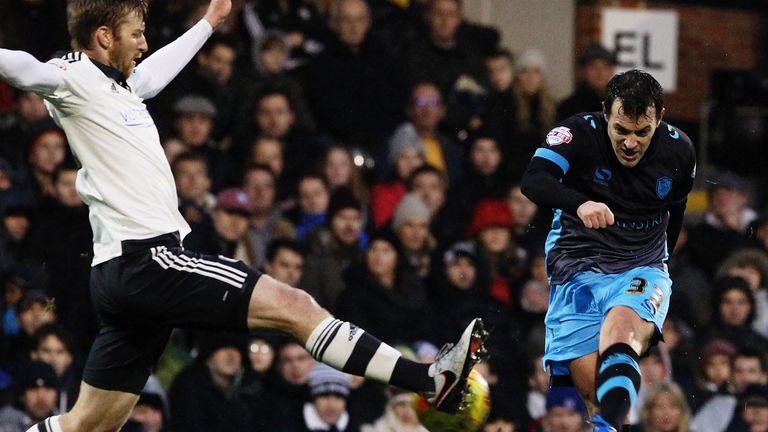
[300, 307]
[301, 301]
[623, 325]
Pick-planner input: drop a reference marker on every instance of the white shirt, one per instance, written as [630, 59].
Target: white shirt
[125, 178]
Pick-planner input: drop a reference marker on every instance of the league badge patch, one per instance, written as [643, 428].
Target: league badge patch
[559, 135]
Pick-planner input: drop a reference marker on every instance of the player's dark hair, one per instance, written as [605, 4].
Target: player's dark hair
[637, 91]
[85, 16]
[276, 245]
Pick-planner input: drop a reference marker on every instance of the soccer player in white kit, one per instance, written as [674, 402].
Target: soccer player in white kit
[143, 283]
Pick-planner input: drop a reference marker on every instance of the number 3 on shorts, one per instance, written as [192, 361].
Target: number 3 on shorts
[638, 286]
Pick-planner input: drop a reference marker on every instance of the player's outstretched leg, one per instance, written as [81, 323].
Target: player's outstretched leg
[351, 349]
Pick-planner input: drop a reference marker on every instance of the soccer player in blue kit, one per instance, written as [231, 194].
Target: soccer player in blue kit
[618, 182]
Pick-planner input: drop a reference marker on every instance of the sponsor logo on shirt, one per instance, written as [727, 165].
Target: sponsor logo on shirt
[138, 117]
[641, 225]
[672, 132]
[602, 176]
[559, 135]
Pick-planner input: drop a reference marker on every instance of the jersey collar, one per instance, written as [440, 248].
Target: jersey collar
[112, 73]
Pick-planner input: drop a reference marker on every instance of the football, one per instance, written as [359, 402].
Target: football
[476, 406]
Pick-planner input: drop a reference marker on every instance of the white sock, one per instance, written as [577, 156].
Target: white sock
[51, 424]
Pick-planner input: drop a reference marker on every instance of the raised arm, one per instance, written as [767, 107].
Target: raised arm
[154, 73]
[542, 185]
[23, 71]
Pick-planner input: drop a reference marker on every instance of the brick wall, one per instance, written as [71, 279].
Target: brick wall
[709, 39]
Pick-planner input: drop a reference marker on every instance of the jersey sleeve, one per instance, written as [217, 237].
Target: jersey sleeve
[23, 71]
[566, 142]
[552, 161]
[154, 73]
[688, 167]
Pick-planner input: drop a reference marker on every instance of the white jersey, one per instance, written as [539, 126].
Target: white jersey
[125, 178]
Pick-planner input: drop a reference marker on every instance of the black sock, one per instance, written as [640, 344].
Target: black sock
[350, 349]
[618, 382]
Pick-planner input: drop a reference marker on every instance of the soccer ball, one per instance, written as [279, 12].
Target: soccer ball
[476, 406]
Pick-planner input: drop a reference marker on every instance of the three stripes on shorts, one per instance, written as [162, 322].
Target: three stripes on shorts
[216, 270]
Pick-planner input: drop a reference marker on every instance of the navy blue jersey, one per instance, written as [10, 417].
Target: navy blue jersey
[639, 197]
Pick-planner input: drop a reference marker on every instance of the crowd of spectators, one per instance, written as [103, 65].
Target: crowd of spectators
[370, 153]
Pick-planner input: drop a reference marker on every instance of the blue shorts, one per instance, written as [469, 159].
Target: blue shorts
[578, 307]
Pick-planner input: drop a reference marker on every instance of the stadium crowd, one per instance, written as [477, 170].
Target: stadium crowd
[371, 154]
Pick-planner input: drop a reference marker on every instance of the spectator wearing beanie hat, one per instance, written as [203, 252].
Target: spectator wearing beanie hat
[399, 415]
[458, 291]
[712, 371]
[333, 248]
[565, 411]
[327, 408]
[229, 217]
[405, 155]
[411, 225]
[536, 107]
[500, 256]
[194, 121]
[596, 67]
[38, 389]
[490, 214]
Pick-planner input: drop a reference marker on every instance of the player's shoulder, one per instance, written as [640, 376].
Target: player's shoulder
[674, 139]
[579, 126]
[72, 56]
[69, 60]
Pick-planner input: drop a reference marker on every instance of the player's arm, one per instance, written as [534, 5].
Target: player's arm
[23, 71]
[154, 73]
[675, 224]
[542, 185]
[679, 201]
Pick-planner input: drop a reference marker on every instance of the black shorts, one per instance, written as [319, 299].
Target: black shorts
[151, 288]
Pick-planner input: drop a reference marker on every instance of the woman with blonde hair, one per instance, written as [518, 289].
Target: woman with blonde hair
[665, 409]
[535, 109]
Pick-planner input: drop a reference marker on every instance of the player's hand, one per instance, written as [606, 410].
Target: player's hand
[217, 11]
[595, 214]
